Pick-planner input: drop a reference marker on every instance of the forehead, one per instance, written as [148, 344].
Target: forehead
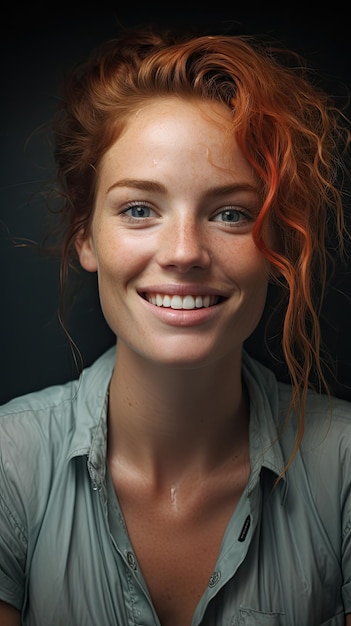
[176, 130]
[181, 115]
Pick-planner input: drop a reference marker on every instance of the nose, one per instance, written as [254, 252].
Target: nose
[184, 245]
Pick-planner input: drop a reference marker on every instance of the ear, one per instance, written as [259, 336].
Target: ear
[85, 250]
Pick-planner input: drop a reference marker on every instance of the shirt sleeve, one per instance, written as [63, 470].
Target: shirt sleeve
[346, 523]
[13, 542]
[327, 454]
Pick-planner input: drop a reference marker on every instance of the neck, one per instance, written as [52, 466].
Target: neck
[171, 419]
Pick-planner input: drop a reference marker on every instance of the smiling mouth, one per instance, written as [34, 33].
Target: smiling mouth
[187, 302]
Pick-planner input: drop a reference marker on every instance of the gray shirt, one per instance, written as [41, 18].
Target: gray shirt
[65, 555]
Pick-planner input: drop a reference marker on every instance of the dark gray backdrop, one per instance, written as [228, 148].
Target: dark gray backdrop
[36, 48]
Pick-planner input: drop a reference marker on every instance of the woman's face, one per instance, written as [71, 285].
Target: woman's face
[181, 281]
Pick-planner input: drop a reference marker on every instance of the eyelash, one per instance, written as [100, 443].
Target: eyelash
[134, 205]
[244, 215]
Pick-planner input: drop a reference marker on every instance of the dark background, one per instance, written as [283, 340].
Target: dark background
[37, 45]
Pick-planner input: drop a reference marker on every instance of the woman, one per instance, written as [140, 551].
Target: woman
[177, 481]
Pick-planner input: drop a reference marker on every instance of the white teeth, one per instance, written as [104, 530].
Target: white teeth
[182, 302]
[177, 302]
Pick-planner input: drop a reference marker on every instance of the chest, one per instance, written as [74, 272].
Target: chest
[177, 542]
[284, 565]
[176, 559]
[270, 549]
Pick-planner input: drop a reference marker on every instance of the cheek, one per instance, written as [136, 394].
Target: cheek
[246, 262]
[119, 257]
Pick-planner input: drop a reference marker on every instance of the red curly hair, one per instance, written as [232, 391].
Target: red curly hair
[285, 125]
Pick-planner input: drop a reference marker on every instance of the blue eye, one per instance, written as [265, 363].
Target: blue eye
[138, 211]
[230, 216]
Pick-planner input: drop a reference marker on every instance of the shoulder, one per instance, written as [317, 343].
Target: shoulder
[41, 432]
[27, 419]
[327, 419]
[324, 456]
[56, 398]
[35, 423]
[320, 412]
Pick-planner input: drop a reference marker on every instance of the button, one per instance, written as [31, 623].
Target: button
[214, 578]
[131, 560]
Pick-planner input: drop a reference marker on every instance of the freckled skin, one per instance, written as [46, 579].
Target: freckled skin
[178, 417]
[187, 149]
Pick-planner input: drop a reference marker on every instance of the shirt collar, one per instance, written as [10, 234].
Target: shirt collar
[91, 402]
[90, 405]
[265, 450]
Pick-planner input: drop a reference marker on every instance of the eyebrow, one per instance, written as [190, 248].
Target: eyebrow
[156, 187]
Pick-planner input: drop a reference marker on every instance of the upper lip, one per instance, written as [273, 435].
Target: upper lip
[182, 289]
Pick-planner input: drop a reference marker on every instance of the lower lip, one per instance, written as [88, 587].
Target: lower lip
[182, 317]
